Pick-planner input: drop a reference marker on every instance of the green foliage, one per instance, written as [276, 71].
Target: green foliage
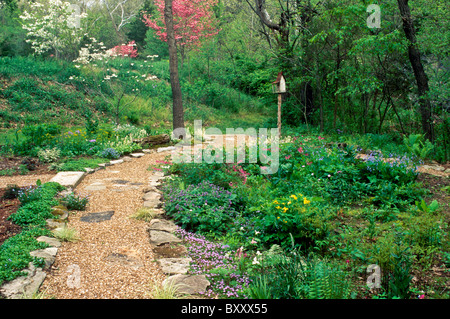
[417, 145]
[75, 202]
[15, 252]
[204, 207]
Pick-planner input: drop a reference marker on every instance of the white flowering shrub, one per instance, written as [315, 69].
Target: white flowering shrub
[55, 25]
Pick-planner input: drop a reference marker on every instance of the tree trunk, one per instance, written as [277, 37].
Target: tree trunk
[178, 116]
[419, 72]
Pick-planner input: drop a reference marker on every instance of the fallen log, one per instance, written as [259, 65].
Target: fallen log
[153, 140]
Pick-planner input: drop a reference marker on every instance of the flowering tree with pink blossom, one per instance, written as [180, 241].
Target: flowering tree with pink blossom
[193, 21]
[125, 50]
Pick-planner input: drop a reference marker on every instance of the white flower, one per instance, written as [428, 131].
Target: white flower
[257, 232]
[255, 261]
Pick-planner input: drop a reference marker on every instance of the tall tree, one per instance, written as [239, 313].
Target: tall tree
[178, 114]
[419, 72]
[193, 20]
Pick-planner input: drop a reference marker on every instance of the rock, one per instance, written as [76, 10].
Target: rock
[127, 159]
[54, 223]
[173, 266]
[153, 140]
[147, 151]
[120, 181]
[115, 162]
[170, 250]
[97, 217]
[103, 165]
[188, 284]
[24, 286]
[163, 225]
[447, 171]
[152, 204]
[89, 170]
[95, 187]
[48, 254]
[137, 155]
[151, 196]
[158, 237]
[124, 260]
[68, 179]
[166, 149]
[53, 242]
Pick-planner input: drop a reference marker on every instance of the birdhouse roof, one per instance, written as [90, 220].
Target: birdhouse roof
[279, 77]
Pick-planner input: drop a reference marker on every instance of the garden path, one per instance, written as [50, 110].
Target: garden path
[114, 258]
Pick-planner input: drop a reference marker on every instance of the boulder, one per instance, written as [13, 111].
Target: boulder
[173, 266]
[188, 284]
[159, 237]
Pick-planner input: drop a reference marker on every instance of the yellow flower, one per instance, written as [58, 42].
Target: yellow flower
[275, 202]
[285, 221]
[278, 207]
[305, 201]
[294, 197]
[289, 202]
[285, 209]
[278, 217]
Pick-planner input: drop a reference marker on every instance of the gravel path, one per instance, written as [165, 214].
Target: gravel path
[114, 258]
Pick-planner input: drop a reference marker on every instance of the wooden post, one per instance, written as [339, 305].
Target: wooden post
[279, 114]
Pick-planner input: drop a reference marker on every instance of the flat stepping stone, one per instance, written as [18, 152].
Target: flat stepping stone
[97, 217]
[93, 187]
[188, 284]
[173, 266]
[166, 149]
[163, 225]
[151, 196]
[48, 254]
[68, 179]
[127, 159]
[53, 242]
[159, 237]
[115, 162]
[170, 250]
[137, 155]
[124, 260]
[120, 181]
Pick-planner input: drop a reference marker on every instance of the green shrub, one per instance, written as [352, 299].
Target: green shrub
[204, 207]
[294, 218]
[74, 202]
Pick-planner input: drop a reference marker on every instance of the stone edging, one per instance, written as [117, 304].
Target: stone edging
[28, 285]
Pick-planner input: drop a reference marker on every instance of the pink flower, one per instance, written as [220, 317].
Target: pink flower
[300, 150]
[421, 296]
[287, 157]
[321, 138]
[253, 241]
[347, 261]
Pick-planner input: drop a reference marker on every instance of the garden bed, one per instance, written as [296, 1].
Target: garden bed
[7, 207]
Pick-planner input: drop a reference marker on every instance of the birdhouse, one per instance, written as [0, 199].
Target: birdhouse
[279, 86]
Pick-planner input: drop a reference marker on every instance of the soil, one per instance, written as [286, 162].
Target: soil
[435, 185]
[7, 207]
[34, 167]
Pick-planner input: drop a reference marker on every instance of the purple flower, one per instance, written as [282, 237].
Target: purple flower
[92, 141]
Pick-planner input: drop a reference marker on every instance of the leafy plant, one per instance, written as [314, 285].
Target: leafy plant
[109, 153]
[204, 207]
[75, 202]
[417, 145]
[49, 155]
